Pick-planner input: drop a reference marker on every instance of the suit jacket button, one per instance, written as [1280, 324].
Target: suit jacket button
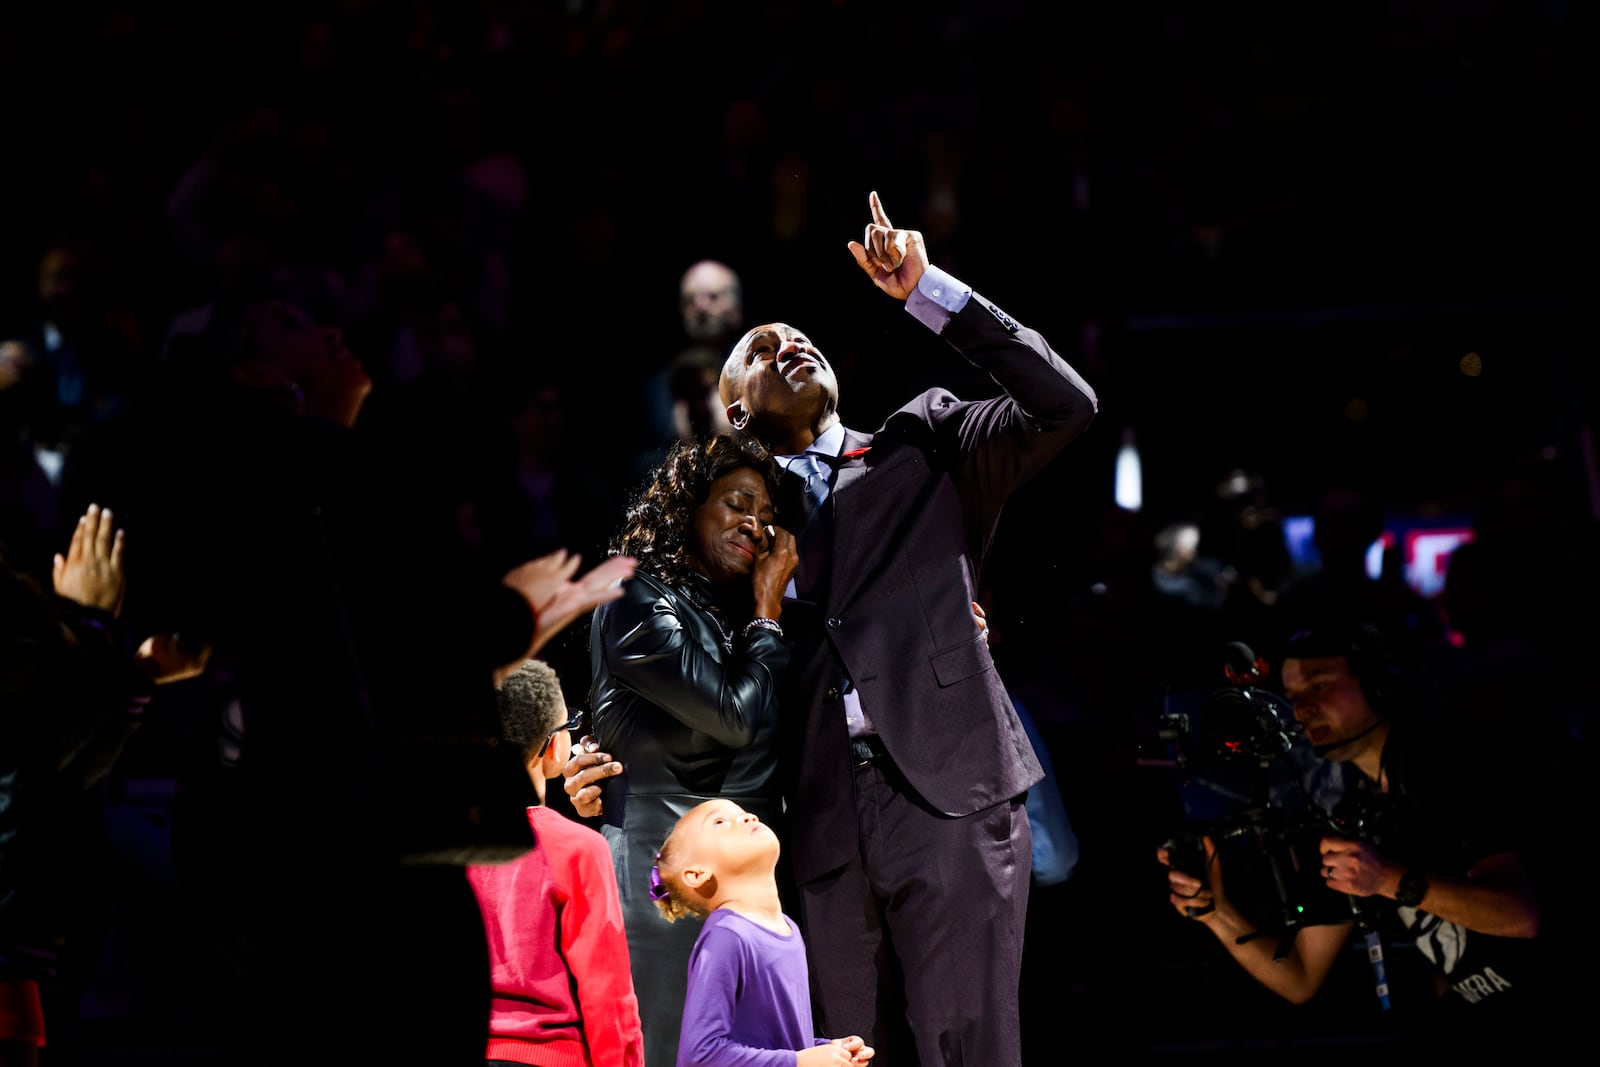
[835, 622]
[831, 695]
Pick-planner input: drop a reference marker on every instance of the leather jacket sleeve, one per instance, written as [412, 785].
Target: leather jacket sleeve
[657, 642]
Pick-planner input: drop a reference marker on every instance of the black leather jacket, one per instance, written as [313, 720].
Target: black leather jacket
[682, 697]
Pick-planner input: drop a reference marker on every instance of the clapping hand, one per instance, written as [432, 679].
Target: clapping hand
[167, 658]
[557, 598]
[90, 573]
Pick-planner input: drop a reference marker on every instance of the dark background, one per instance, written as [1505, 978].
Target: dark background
[1266, 213]
[1270, 235]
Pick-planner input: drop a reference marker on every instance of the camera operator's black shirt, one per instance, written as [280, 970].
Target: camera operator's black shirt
[1448, 807]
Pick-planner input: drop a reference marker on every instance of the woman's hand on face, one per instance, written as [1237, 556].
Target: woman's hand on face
[775, 565]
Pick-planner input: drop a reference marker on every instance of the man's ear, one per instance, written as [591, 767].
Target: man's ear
[738, 417]
[549, 766]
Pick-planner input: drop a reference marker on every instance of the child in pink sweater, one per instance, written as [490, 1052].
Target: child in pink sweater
[563, 992]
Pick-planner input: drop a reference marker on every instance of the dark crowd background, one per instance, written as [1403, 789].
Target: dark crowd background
[1319, 260]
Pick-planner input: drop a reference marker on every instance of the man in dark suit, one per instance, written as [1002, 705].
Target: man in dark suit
[908, 764]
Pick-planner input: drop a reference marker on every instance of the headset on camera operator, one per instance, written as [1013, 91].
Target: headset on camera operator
[1431, 853]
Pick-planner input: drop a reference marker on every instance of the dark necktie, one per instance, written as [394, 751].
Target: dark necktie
[816, 472]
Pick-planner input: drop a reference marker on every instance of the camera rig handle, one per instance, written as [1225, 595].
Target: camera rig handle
[1187, 853]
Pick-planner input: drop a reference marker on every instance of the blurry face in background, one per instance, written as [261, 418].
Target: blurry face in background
[445, 340]
[539, 425]
[710, 302]
[285, 349]
[63, 283]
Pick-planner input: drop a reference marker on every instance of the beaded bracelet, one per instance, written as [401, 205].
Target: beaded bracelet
[761, 623]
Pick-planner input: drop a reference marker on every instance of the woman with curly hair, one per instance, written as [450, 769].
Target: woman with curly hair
[684, 683]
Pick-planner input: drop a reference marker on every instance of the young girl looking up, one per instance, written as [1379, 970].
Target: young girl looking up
[748, 1001]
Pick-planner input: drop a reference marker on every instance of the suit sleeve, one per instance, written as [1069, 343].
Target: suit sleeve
[649, 648]
[993, 446]
[596, 951]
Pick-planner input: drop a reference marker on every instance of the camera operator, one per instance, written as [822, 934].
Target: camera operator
[1434, 853]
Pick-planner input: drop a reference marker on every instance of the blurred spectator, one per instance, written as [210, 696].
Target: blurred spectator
[537, 488]
[1507, 598]
[1184, 605]
[680, 398]
[1348, 521]
[75, 691]
[1244, 529]
[440, 403]
[357, 639]
[1180, 572]
[72, 368]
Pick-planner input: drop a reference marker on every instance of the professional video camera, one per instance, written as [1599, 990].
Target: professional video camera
[1269, 844]
[1239, 722]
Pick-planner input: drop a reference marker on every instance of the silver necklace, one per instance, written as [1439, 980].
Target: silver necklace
[727, 635]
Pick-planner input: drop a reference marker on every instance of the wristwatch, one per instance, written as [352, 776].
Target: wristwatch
[1413, 887]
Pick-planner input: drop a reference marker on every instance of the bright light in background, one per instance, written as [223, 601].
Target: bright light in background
[1375, 553]
[1427, 554]
[1422, 547]
[1298, 536]
[1129, 491]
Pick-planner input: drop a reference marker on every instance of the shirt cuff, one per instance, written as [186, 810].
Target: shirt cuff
[937, 297]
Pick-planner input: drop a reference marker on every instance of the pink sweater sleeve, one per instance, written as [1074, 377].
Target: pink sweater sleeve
[596, 949]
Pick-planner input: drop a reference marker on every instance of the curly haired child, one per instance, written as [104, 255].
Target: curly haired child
[748, 1002]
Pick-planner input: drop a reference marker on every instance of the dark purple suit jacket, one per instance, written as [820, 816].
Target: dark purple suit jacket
[890, 566]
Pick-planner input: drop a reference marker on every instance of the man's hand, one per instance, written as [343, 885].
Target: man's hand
[1192, 897]
[556, 598]
[166, 658]
[585, 769]
[893, 259]
[91, 571]
[1356, 868]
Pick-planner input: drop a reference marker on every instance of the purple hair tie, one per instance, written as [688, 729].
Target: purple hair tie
[657, 890]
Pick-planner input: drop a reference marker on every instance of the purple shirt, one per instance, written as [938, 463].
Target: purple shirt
[748, 1002]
